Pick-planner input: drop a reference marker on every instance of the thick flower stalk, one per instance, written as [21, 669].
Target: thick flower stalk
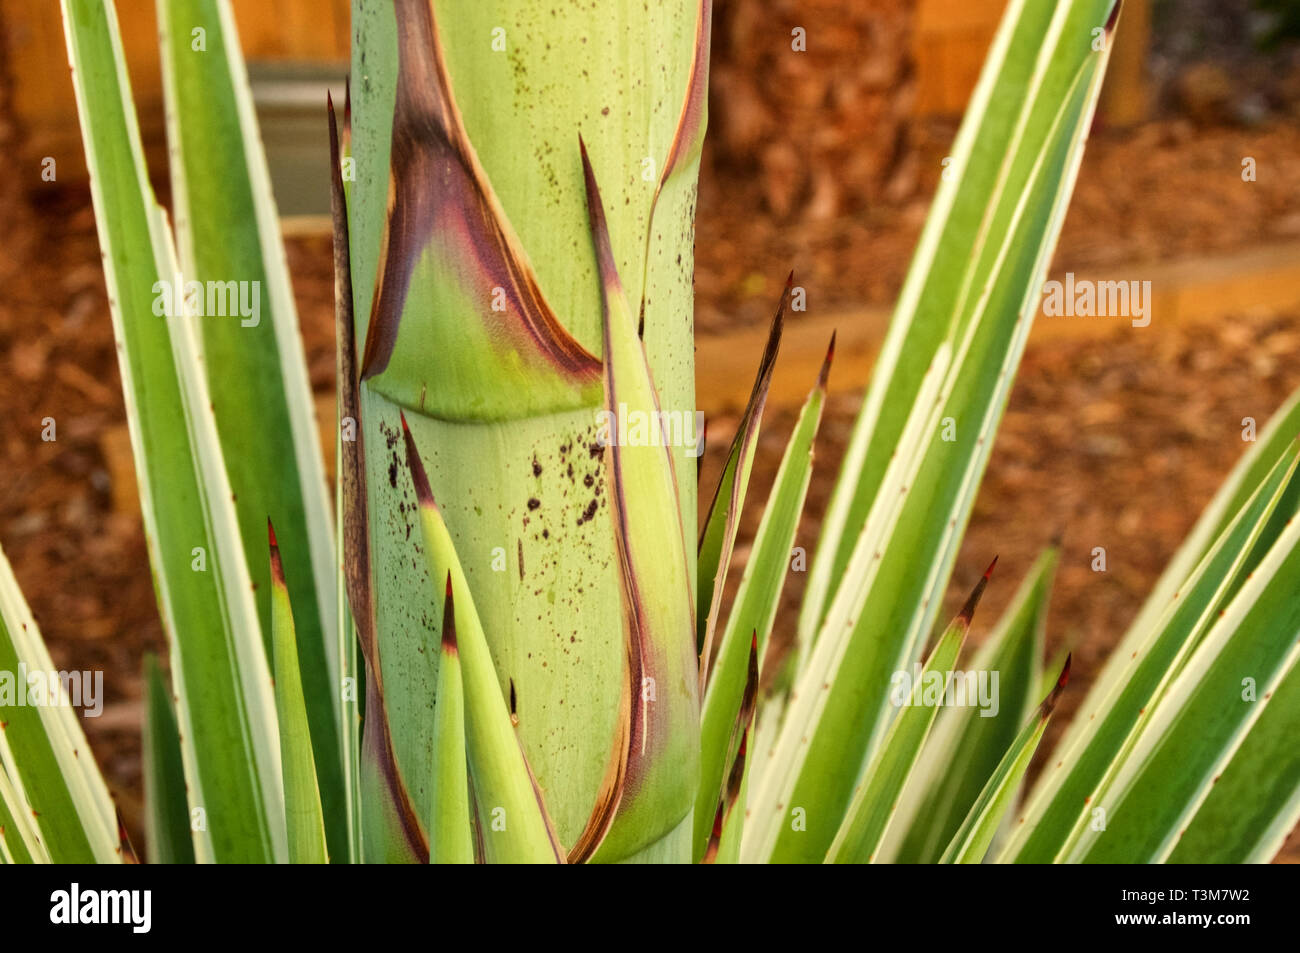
[479, 301]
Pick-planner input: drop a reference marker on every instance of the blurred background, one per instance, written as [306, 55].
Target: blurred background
[823, 160]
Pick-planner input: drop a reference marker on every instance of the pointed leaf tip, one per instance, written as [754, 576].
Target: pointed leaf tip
[277, 565]
[715, 837]
[1113, 18]
[129, 856]
[336, 169]
[718, 535]
[599, 228]
[1049, 703]
[824, 375]
[423, 492]
[968, 610]
[1064, 677]
[449, 621]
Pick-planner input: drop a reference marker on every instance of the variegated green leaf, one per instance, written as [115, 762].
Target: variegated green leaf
[1237, 490]
[754, 609]
[167, 838]
[304, 821]
[56, 802]
[19, 839]
[1018, 154]
[968, 743]
[219, 665]
[1066, 790]
[1251, 470]
[228, 237]
[1167, 769]
[723, 845]
[1255, 802]
[778, 769]
[874, 802]
[720, 526]
[972, 839]
[1012, 122]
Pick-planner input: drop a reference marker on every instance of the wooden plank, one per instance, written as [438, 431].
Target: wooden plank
[949, 16]
[950, 39]
[948, 66]
[1125, 96]
[115, 448]
[1244, 286]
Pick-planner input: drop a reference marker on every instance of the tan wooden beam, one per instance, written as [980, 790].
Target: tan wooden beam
[1235, 286]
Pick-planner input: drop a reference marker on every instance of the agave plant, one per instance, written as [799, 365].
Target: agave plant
[510, 641]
